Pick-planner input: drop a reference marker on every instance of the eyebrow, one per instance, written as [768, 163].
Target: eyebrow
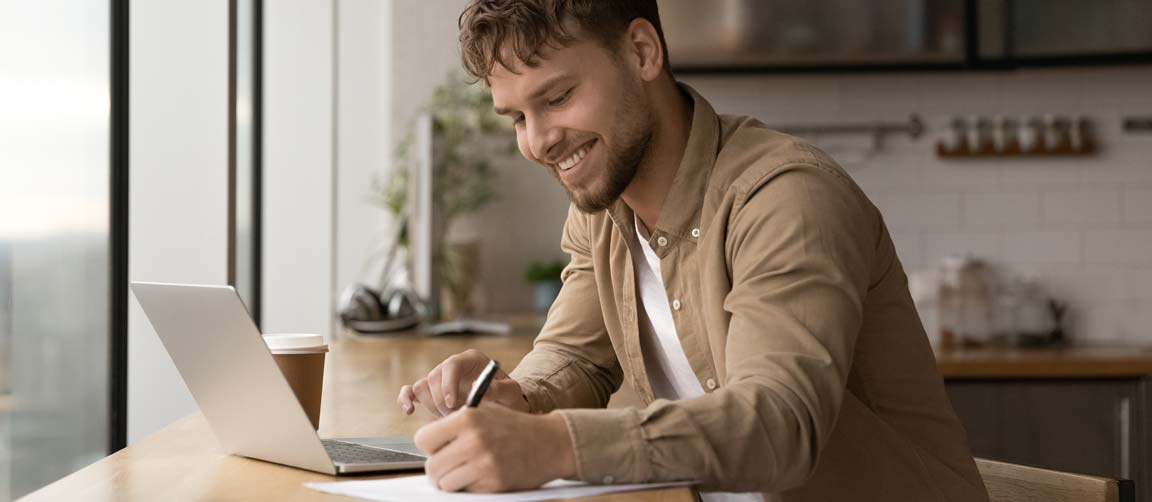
[548, 85]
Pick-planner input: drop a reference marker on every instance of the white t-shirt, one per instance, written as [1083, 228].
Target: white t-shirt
[669, 372]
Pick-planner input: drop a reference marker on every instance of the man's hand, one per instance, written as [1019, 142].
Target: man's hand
[446, 386]
[493, 449]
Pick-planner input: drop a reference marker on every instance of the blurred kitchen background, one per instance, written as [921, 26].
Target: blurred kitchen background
[288, 146]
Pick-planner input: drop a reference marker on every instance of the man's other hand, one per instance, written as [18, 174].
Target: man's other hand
[494, 449]
[446, 387]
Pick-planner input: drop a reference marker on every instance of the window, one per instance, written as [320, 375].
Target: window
[62, 239]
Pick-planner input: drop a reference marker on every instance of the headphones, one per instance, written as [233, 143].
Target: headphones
[365, 310]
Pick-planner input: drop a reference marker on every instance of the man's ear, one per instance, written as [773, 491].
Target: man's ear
[643, 43]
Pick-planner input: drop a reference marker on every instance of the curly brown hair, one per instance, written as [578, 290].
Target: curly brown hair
[486, 26]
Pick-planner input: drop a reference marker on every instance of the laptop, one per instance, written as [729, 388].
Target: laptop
[223, 360]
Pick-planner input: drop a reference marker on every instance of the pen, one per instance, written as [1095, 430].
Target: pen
[480, 386]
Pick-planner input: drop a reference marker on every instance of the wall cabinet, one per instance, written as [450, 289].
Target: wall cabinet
[838, 35]
[1040, 29]
[780, 33]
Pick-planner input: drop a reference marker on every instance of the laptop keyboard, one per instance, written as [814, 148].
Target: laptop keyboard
[348, 453]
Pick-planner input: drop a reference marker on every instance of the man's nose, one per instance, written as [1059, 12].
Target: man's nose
[542, 141]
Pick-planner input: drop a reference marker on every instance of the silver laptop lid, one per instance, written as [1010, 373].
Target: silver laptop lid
[226, 365]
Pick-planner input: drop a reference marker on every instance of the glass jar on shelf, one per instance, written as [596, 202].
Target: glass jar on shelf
[965, 302]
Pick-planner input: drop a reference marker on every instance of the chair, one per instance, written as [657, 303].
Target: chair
[1020, 483]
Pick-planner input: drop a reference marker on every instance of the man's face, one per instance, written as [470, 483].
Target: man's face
[580, 113]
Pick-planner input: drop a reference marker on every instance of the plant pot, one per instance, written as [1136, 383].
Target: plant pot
[544, 294]
[461, 273]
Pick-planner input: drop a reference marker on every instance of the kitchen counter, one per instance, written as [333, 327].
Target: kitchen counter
[1075, 361]
[1089, 361]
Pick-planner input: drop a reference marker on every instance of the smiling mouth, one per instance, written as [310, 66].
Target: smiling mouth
[575, 158]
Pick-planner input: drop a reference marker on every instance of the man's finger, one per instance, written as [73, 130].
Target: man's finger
[406, 400]
[448, 458]
[424, 396]
[437, 391]
[434, 436]
[459, 478]
[453, 370]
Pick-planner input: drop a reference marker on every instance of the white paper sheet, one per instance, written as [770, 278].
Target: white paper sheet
[420, 488]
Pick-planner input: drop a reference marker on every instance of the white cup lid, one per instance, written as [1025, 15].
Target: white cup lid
[295, 342]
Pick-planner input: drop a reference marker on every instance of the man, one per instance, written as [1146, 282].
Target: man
[735, 276]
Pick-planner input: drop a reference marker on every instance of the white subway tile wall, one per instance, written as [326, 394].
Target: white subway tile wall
[1138, 205]
[1131, 247]
[1027, 247]
[938, 245]
[1002, 209]
[920, 210]
[1074, 208]
[1083, 226]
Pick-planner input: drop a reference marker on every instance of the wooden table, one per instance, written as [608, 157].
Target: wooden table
[183, 462]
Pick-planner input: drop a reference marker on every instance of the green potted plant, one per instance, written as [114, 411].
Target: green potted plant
[545, 279]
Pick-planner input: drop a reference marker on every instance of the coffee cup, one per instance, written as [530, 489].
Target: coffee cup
[301, 359]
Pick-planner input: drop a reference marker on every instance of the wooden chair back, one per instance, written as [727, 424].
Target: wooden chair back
[1020, 483]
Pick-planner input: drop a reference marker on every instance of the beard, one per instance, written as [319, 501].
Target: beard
[632, 137]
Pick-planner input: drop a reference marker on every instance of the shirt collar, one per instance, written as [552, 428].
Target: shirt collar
[681, 211]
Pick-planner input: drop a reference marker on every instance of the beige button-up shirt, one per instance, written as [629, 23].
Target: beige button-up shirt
[795, 316]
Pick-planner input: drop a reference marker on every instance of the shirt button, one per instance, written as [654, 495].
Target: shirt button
[676, 305]
[711, 383]
[661, 241]
[608, 480]
[695, 232]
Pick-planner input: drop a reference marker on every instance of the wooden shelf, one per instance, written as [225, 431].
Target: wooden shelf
[945, 153]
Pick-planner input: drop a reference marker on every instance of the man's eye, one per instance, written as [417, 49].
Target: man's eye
[561, 99]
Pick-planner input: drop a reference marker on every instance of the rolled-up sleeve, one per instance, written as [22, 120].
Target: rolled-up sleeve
[572, 363]
[799, 244]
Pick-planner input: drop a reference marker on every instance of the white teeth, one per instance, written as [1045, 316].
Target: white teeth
[570, 162]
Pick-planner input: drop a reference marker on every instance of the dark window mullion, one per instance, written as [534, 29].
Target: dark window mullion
[257, 156]
[118, 228]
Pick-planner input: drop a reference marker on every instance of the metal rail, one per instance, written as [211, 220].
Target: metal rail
[914, 128]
